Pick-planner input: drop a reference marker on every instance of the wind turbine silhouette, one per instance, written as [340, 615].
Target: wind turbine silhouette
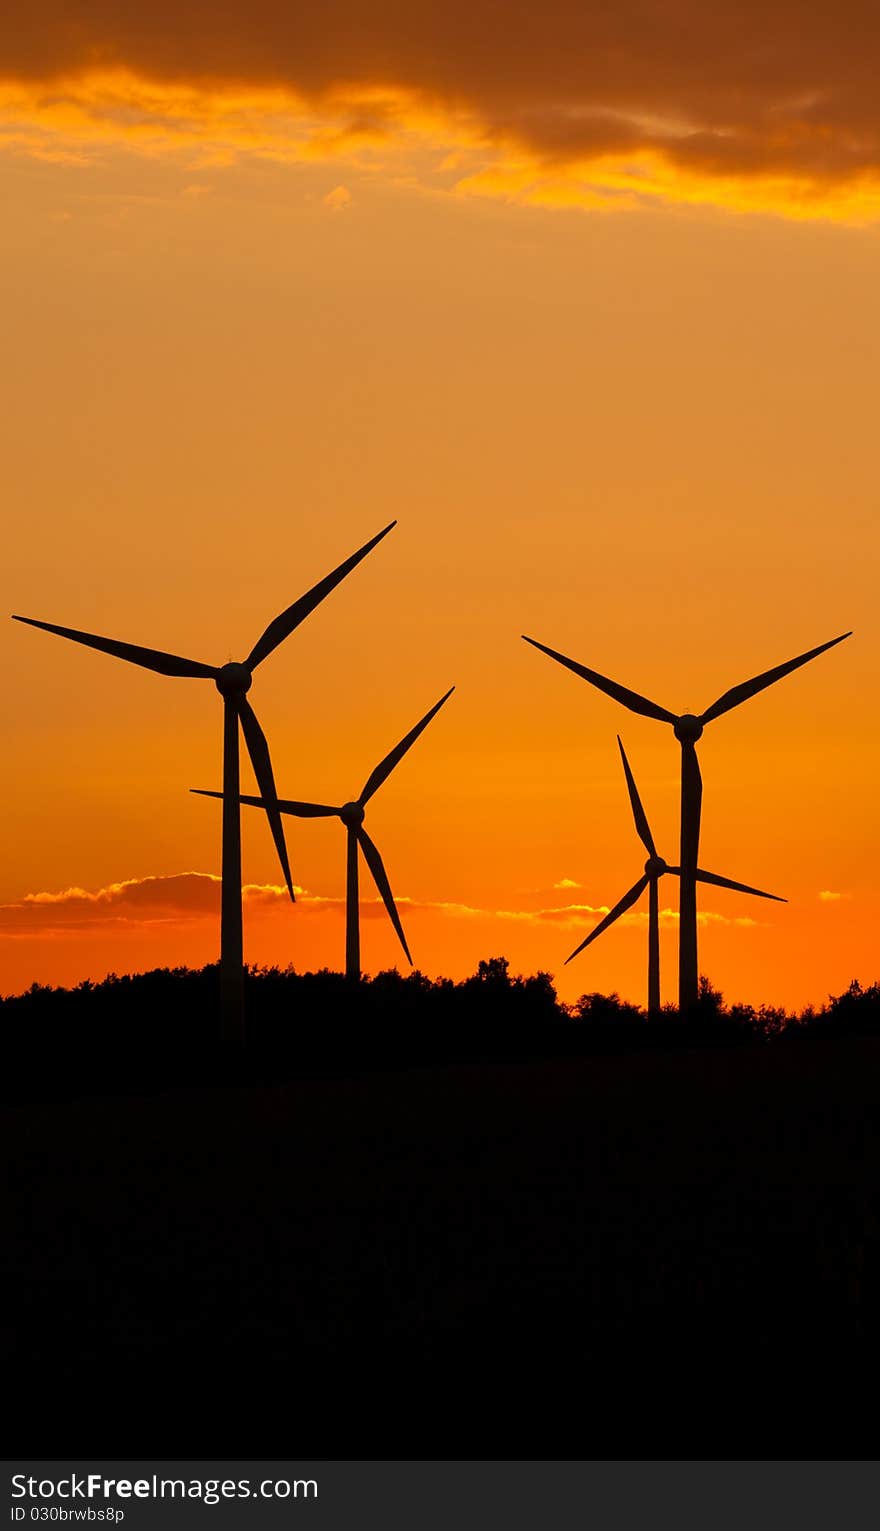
[655, 868]
[352, 816]
[233, 681]
[688, 729]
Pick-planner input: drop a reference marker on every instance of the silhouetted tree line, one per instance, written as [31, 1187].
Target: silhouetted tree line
[149, 1030]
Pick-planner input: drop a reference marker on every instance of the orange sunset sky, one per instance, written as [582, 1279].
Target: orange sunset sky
[587, 298]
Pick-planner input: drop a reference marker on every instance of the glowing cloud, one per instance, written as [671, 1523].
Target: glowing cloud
[189, 896]
[338, 199]
[749, 106]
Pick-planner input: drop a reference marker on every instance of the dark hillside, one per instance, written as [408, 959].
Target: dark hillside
[662, 1254]
[158, 1030]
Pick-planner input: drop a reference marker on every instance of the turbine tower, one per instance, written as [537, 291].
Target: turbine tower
[688, 729]
[352, 816]
[655, 868]
[233, 681]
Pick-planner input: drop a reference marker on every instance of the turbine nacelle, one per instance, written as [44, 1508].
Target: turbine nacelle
[233, 679]
[688, 728]
[655, 866]
[352, 815]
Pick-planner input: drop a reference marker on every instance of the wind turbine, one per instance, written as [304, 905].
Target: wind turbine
[655, 868]
[233, 681]
[352, 816]
[688, 729]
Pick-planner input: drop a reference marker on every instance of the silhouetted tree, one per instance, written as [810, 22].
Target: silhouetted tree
[604, 1008]
[494, 970]
[710, 1001]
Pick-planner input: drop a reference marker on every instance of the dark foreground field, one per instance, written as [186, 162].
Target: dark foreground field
[661, 1254]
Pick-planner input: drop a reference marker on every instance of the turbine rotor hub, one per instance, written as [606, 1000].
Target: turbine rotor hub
[233, 680]
[688, 728]
[352, 814]
[655, 866]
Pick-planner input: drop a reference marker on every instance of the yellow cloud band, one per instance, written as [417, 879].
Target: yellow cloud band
[439, 147]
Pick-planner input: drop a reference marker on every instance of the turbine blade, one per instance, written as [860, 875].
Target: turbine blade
[738, 887]
[285, 805]
[380, 878]
[148, 659]
[258, 750]
[692, 793]
[749, 688]
[626, 902]
[284, 625]
[386, 766]
[641, 820]
[630, 699]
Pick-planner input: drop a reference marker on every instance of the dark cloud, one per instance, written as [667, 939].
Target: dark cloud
[178, 898]
[147, 900]
[192, 896]
[728, 88]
